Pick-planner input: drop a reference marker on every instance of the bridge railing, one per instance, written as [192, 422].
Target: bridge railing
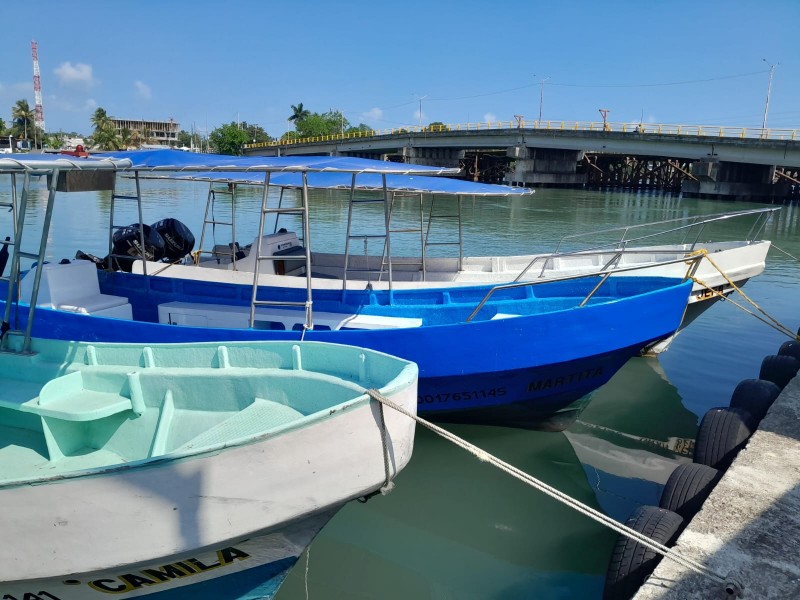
[717, 131]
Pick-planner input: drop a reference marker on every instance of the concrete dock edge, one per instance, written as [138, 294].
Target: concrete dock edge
[749, 526]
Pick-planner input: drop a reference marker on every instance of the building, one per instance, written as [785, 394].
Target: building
[164, 133]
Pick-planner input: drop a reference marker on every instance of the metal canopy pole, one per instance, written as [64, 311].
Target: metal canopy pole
[48, 216]
[307, 244]
[256, 267]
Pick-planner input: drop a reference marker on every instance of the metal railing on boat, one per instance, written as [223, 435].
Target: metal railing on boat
[693, 262]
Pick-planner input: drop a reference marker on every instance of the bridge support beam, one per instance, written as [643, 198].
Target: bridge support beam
[433, 157]
[544, 167]
[733, 181]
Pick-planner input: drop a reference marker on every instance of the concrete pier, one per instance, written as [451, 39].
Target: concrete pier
[750, 525]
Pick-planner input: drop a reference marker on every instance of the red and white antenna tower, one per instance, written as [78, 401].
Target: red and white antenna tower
[37, 88]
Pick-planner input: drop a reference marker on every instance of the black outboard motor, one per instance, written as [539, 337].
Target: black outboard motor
[178, 240]
[127, 242]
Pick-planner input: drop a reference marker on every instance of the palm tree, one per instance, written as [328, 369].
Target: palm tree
[22, 115]
[299, 114]
[101, 120]
[107, 139]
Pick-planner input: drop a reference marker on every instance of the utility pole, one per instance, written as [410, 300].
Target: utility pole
[541, 97]
[769, 90]
[604, 112]
[421, 98]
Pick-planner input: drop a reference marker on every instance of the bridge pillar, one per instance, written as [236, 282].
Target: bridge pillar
[433, 157]
[544, 167]
[732, 180]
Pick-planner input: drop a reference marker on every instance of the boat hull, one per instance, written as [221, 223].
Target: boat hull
[248, 569]
[537, 364]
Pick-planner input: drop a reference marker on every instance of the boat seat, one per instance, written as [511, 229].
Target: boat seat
[197, 314]
[259, 417]
[74, 287]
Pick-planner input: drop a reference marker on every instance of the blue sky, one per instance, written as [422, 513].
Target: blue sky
[206, 63]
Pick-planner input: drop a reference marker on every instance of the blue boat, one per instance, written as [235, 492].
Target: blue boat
[521, 355]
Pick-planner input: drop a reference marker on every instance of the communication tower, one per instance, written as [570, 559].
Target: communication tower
[37, 88]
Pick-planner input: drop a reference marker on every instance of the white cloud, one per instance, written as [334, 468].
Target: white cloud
[375, 114]
[77, 74]
[419, 117]
[90, 104]
[142, 90]
[489, 118]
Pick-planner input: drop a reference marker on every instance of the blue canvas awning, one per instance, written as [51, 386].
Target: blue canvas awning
[323, 172]
[363, 181]
[177, 160]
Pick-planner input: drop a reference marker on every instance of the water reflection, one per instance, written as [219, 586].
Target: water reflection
[455, 527]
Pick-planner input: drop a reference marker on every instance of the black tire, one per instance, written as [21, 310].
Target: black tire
[779, 369]
[632, 562]
[723, 432]
[687, 488]
[790, 348]
[755, 396]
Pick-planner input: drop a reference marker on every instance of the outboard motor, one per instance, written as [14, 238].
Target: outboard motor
[178, 240]
[127, 242]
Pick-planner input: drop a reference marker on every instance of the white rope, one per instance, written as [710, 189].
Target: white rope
[554, 493]
[785, 252]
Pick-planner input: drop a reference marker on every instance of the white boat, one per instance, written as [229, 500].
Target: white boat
[185, 470]
[726, 264]
[279, 259]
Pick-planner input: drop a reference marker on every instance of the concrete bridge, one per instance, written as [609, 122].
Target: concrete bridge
[729, 162]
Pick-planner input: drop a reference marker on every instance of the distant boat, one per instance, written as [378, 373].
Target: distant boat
[521, 355]
[185, 470]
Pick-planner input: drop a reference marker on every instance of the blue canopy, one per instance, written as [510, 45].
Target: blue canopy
[323, 172]
[363, 181]
[178, 160]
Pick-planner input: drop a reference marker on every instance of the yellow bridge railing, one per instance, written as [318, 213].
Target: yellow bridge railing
[717, 131]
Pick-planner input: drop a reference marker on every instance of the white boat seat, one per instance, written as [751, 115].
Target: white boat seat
[197, 314]
[74, 287]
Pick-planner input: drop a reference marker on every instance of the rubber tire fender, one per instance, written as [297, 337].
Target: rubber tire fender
[723, 432]
[755, 396]
[790, 348]
[632, 562]
[687, 488]
[780, 369]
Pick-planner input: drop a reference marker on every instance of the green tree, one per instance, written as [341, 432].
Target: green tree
[188, 140]
[2, 127]
[228, 139]
[436, 126]
[101, 120]
[255, 133]
[54, 141]
[299, 114]
[106, 139]
[23, 118]
[316, 124]
[360, 128]
[105, 135]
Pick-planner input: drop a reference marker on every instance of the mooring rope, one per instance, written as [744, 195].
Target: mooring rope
[590, 512]
[777, 325]
[785, 252]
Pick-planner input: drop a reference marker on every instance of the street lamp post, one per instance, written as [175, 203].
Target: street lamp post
[769, 90]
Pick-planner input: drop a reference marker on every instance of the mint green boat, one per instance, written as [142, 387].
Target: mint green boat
[175, 469]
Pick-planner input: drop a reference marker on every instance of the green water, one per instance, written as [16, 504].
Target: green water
[455, 528]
